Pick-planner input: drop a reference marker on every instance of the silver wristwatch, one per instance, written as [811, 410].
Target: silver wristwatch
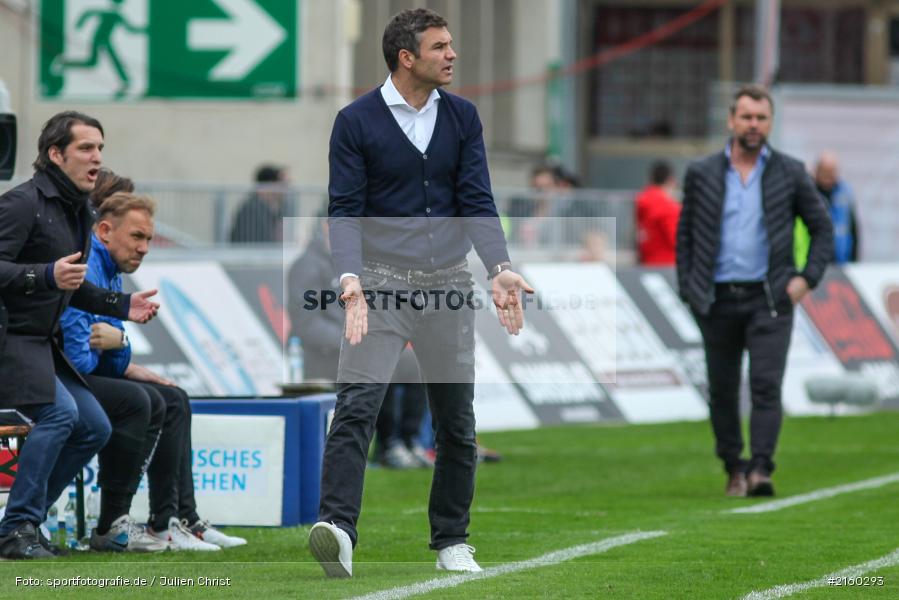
[503, 266]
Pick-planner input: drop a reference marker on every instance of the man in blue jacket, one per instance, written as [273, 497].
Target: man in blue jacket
[150, 416]
[409, 196]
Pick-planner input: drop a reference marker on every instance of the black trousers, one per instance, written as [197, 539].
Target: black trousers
[137, 418]
[170, 474]
[741, 319]
[443, 341]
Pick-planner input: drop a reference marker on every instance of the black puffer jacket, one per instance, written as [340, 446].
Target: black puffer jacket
[40, 224]
[787, 193]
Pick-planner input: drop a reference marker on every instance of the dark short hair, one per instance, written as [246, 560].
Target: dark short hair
[542, 168]
[756, 92]
[268, 174]
[660, 172]
[565, 175]
[108, 183]
[404, 33]
[57, 131]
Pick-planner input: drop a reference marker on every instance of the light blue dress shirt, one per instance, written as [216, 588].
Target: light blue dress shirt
[743, 255]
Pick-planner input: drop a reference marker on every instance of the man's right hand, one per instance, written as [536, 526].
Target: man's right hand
[68, 272]
[356, 310]
[138, 373]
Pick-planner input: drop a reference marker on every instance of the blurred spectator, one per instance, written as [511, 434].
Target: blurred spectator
[259, 218]
[321, 331]
[657, 215]
[840, 203]
[542, 184]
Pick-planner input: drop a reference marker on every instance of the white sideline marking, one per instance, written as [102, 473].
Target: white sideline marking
[529, 511]
[782, 591]
[552, 558]
[867, 484]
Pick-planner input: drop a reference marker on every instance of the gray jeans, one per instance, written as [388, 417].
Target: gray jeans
[443, 341]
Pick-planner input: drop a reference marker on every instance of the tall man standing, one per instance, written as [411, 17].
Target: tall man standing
[735, 268]
[409, 158]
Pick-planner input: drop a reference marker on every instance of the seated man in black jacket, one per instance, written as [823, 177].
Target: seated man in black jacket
[45, 228]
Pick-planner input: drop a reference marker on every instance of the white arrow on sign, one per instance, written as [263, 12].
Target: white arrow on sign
[249, 33]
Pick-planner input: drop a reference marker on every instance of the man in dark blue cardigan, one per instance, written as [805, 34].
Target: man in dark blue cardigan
[409, 195]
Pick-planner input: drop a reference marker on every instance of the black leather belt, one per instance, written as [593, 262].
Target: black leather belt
[415, 277]
[740, 287]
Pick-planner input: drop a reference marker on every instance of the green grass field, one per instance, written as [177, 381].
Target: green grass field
[562, 487]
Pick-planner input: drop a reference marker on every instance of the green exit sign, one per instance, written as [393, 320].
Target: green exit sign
[133, 49]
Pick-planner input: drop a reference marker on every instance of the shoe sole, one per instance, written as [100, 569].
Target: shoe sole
[442, 568]
[326, 549]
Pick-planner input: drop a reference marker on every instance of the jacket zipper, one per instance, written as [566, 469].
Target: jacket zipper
[770, 298]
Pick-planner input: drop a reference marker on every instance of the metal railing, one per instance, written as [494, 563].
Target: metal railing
[195, 215]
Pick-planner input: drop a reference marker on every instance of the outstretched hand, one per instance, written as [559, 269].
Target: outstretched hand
[356, 310]
[506, 289]
[142, 308]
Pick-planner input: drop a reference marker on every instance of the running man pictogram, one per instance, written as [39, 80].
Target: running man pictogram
[108, 21]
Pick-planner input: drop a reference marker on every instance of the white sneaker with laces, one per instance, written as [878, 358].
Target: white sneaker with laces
[140, 540]
[179, 537]
[457, 558]
[206, 532]
[332, 548]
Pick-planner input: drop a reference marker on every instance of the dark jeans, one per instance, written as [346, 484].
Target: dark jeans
[740, 319]
[67, 433]
[170, 475]
[137, 419]
[443, 341]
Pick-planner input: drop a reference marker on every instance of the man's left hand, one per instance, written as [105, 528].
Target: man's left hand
[797, 288]
[142, 308]
[506, 289]
[105, 337]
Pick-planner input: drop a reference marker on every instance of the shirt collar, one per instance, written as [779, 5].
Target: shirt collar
[393, 97]
[110, 268]
[763, 155]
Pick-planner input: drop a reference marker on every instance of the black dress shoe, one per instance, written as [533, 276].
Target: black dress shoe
[760, 484]
[23, 544]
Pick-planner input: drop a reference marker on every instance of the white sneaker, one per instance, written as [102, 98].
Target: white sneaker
[332, 548]
[179, 537]
[399, 457]
[206, 532]
[140, 540]
[457, 558]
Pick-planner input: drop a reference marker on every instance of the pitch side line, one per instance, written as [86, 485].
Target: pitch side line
[867, 484]
[833, 579]
[552, 558]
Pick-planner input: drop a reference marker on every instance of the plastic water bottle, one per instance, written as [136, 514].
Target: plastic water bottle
[60, 539]
[295, 360]
[70, 521]
[92, 512]
[52, 524]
